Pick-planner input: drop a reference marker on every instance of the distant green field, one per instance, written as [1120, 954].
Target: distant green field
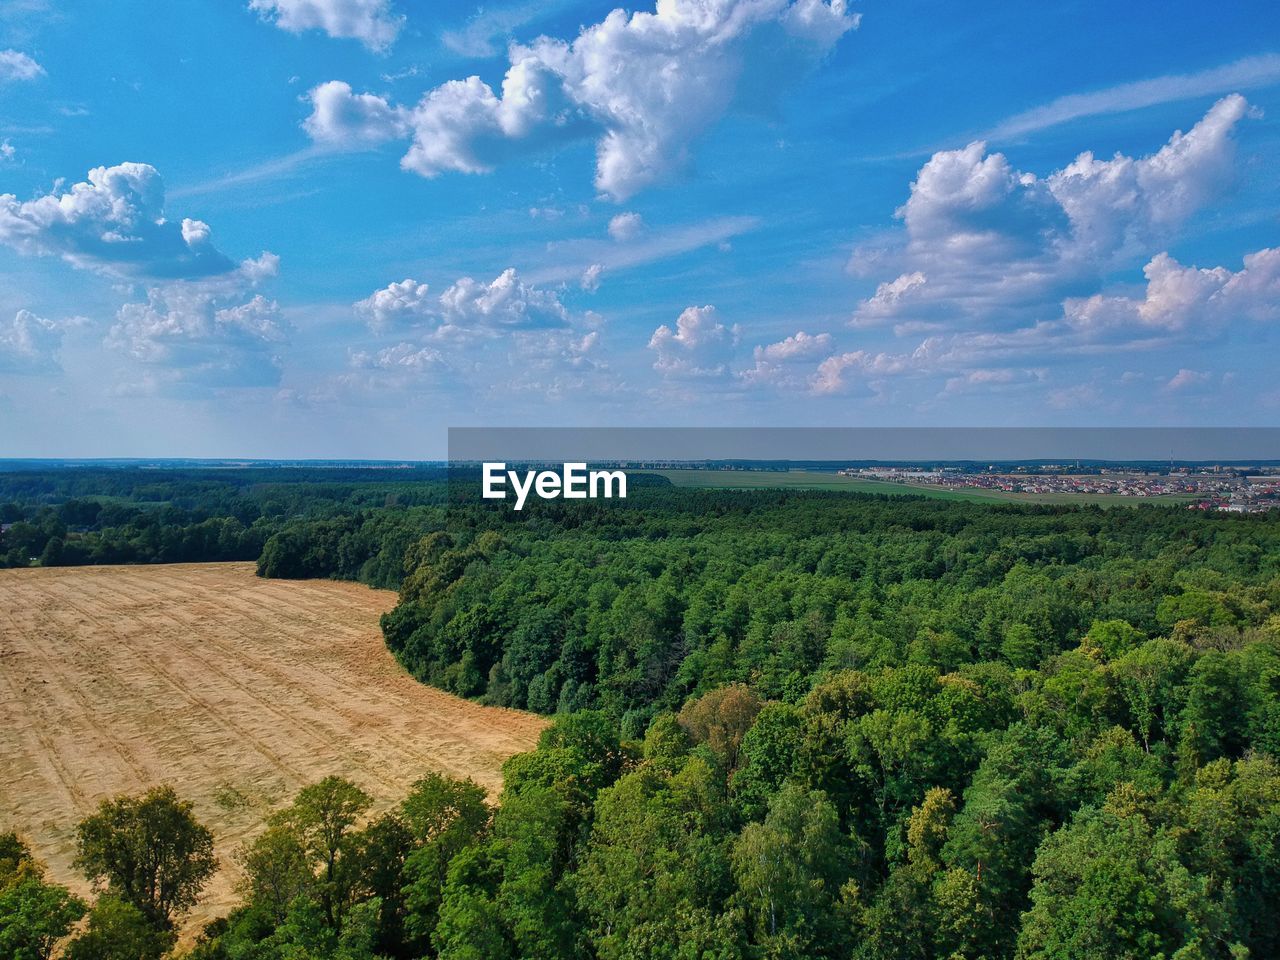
[813, 480]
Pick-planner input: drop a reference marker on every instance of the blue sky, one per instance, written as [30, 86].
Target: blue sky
[336, 227]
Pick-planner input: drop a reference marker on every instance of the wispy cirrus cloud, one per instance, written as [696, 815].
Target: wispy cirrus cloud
[485, 33]
[277, 168]
[1248, 73]
[573, 258]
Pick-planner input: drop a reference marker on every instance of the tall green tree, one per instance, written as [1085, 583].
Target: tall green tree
[276, 870]
[656, 873]
[1110, 886]
[34, 914]
[118, 930]
[149, 851]
[443, 816]
[323, 819]
[791, 872]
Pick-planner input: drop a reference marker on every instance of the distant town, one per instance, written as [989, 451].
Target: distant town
[1234, 488]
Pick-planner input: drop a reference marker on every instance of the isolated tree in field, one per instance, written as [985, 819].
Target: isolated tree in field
[323, 818]
[34, 914]
[149, 851]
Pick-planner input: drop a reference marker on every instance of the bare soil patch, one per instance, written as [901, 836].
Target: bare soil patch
[235, 690]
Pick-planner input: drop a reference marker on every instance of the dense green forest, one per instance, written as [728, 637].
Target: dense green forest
[787, 725]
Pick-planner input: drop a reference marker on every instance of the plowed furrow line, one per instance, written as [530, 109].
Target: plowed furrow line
[327, 736]
[206, 707]
[48, 758]
[475, 715]
[318, 679]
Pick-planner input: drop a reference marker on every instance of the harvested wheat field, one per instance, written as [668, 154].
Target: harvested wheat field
[235, 690]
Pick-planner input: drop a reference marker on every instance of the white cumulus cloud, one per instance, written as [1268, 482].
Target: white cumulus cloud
[644, 86]
[843, 372]
[340, 117]
[397, 305]
[986, 244]
[590, 280]
[115, 222]
[1186, 379]
[506, 302]
[783, 364]
[1011, 273]
[402, 358]
[625, 226]
[1182, 299]
[372, 22]
[466, 307]
[699, 346]
[217, 332]
[16, 65]
[29, 343]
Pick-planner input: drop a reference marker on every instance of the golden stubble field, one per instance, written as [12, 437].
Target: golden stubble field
[236, 691]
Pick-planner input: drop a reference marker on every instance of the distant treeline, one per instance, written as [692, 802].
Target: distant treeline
[350, 523]
[302, 522]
